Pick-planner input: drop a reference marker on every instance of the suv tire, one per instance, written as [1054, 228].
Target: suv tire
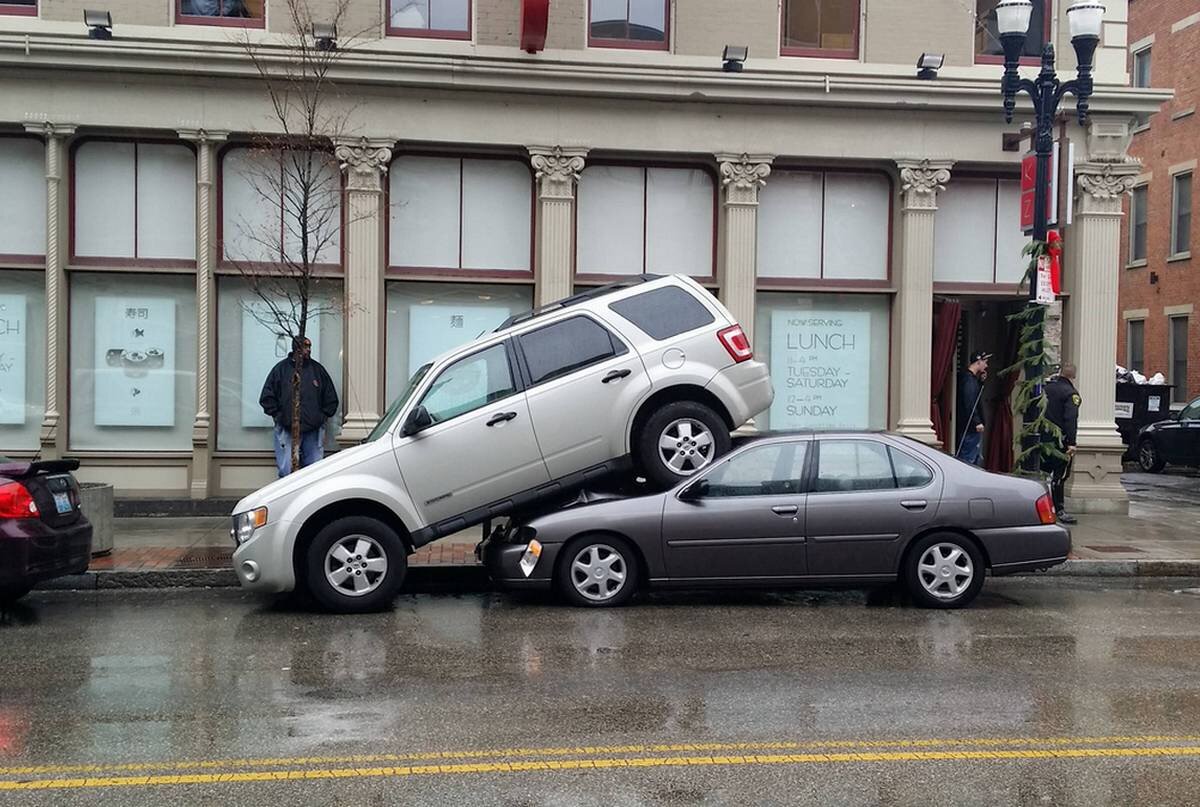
[608, 554]
[699, 435]
[1149, 458]
[355, 564]
[943, 570]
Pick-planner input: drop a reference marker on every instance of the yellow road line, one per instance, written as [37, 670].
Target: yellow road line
[597, 750]
[594, 764]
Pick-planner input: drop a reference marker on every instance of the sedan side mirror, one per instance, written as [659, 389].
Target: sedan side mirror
[418, 420]
[694, 491]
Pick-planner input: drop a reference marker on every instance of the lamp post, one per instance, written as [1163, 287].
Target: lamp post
[1085, 18]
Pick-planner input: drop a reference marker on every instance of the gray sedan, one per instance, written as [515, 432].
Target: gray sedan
[794, 510]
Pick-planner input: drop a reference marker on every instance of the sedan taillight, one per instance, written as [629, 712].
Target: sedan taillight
[16, 502]
[735, 341]
[1045, 509]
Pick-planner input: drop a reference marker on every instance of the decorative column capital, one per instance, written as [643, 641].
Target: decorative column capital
[557, 170]
[203, 137]
[921, 181]
[1101, 186]
[50, 130]
[743, 175]
[364, 160]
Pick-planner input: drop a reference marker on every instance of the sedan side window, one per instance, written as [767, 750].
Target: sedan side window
[846, 465]
[469, 383]
[909, 472]
[771, 470]
[565, 347]
[1191, 412]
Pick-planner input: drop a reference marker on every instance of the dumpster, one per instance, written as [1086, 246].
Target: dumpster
[1139, 405]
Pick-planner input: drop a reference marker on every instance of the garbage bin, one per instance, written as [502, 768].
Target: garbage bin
[96, 501]
[1138, 405]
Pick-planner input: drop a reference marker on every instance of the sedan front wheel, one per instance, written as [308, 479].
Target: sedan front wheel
[1149, 459]
[598, 571]
[944, 571]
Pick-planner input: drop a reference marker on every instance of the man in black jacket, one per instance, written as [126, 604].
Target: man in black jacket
[318, 403]
[970, 409]
[1062, 409]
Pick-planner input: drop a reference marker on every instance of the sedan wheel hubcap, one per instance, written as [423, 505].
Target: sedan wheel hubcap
[945, 571]
[686, 446]
[355, 565]
[598, 572]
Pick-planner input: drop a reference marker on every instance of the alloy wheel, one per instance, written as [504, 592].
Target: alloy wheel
[945, 571]
[1146, 455]
[599, 572]
[686, 446]
[355, 565]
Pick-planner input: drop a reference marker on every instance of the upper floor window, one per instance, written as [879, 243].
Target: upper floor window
[987, 32]
[23, 7]
[629, 23]
[243, 13]
[1137, 224]
[977, 232]
[820, 28]
[1181, 215]
[441, 19]
[1141, 68]
[23, 201]
[134, 202]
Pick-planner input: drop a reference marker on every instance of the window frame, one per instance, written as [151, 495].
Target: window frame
[1129, 328]
[1134, 257]
[135, 261]
[1178, 394]
[17, 260]
[430, 33]
[1047, 25]
[22, 10]
[630, 44]
[403, 272]
[1134, 58]
[220, 22]
[820, 53]
[619, 348]
[518, 380]
[1176, 180]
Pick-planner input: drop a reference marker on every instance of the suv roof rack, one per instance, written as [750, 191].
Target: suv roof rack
[575, 299]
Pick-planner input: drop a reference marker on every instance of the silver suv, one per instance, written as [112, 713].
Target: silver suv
[650, 374]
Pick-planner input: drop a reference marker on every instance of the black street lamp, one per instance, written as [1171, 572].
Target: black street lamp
[1046, 92]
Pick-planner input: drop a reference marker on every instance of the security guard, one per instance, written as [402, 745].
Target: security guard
[1062, 409]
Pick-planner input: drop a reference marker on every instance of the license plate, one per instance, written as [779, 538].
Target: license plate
[62, 503]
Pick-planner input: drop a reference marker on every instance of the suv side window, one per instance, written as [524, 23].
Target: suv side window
[565, 347]
[470, 383]
[846, 465]
[663, 313]
[770, 470]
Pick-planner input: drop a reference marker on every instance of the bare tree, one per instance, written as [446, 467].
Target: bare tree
[285, 249]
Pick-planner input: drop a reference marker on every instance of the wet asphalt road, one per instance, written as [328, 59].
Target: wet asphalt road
[1048, 691]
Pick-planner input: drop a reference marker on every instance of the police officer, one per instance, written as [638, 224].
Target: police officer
[1062, 409]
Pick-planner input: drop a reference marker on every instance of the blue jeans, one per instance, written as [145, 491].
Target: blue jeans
[970, 449]
[312, 448]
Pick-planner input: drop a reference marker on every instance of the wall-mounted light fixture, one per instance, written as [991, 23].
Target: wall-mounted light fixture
[733, 57]
[99, 24]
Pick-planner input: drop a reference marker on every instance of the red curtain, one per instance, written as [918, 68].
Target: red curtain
[946, 315]
[999, 456]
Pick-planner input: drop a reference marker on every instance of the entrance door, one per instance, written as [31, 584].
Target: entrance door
[748, 520]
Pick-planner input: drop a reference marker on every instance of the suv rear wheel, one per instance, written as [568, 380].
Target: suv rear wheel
[678, 440]
[355, 564]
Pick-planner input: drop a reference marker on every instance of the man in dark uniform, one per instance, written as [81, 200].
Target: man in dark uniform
[970, 409]
[1062, 409]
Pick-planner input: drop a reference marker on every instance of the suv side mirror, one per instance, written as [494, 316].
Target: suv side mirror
[418, 420]
[694, 491]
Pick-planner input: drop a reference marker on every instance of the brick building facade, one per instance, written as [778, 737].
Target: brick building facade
[1160, 287]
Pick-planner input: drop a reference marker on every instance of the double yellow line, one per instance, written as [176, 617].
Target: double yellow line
[519, 760]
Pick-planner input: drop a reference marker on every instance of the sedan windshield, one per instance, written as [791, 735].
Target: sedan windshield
[394, 410]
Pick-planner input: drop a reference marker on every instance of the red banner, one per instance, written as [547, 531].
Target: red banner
[535, 15]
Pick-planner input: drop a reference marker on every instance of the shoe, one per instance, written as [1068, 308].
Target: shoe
[1066, 518]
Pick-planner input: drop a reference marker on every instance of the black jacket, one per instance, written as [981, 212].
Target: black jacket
[969, 387]
[1062, 408]
[318, 398]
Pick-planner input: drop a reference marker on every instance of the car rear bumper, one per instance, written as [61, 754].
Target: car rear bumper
[31, 551]
[745, 390]
[1022, 549]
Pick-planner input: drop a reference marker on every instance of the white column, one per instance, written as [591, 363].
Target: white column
[365, 162]
[206, 143]
[1093, 244]
[53, 434]
[912, 317]
[742, 176]
[557, 172]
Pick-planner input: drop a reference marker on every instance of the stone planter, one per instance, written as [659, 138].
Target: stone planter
[96, 501]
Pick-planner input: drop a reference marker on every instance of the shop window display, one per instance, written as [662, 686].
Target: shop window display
[22, 359]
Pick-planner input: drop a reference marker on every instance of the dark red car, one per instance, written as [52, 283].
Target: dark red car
[43, 533]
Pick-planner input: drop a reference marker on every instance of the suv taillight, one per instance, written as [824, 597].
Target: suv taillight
[1045, 509]
[735, 341]
[15, 502]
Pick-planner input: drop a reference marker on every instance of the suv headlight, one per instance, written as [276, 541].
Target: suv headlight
[244, 524]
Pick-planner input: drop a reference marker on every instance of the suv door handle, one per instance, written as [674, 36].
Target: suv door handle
[785, 509]
[501, 417]
[615, 375]
[914, 504]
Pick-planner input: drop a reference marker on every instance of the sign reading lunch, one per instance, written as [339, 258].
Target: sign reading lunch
[821, 366]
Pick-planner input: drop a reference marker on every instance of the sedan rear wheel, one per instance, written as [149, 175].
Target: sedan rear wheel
[1149, 459]
[944, 571]
[598, 572]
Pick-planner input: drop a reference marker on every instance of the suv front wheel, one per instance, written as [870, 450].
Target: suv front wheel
[678, 440]
[355, 564]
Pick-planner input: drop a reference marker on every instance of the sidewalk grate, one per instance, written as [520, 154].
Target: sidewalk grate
[1114, 548]
[208, 557]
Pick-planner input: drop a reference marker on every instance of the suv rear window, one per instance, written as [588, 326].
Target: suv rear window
[565, 347]
[663, 313]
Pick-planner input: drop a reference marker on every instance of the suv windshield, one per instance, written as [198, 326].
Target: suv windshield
[393, 411]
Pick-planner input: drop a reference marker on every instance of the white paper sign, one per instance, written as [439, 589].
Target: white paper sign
[434, 329]
[135, 361]
[1045, 290]
[12, 359]
[265, 344]
[1122, 410]
[1153, 403]
[821, 367]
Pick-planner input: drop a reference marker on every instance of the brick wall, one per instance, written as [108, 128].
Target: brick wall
[1172, 139]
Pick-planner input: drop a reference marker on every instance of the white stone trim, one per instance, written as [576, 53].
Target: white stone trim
[1135, 314]
[1178, 310]
[1183, 113]
[1141, 44]
[1182, 168]
[1186, 22]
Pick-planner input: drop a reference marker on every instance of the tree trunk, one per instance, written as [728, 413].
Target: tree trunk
[297, 363]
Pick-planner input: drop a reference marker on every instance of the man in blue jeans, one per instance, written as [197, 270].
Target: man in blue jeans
[970, 408]
[318, 403]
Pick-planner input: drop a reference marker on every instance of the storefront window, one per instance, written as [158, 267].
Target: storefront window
[828, 356]
[238, 13]
[977, 233]
[628, 23]
[250, 343]
[425, 320]
[133, 362]
[827, 28]
[23, 200]
[22, 359]
[440, 19]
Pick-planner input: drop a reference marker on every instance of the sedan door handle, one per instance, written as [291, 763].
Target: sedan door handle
[914, 504]
[785, 509]
[615, 375]
[501, 417]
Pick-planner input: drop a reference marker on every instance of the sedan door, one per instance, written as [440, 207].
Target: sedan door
[1187, 435]
[867, 499]
[480, 448]
[744, 519]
